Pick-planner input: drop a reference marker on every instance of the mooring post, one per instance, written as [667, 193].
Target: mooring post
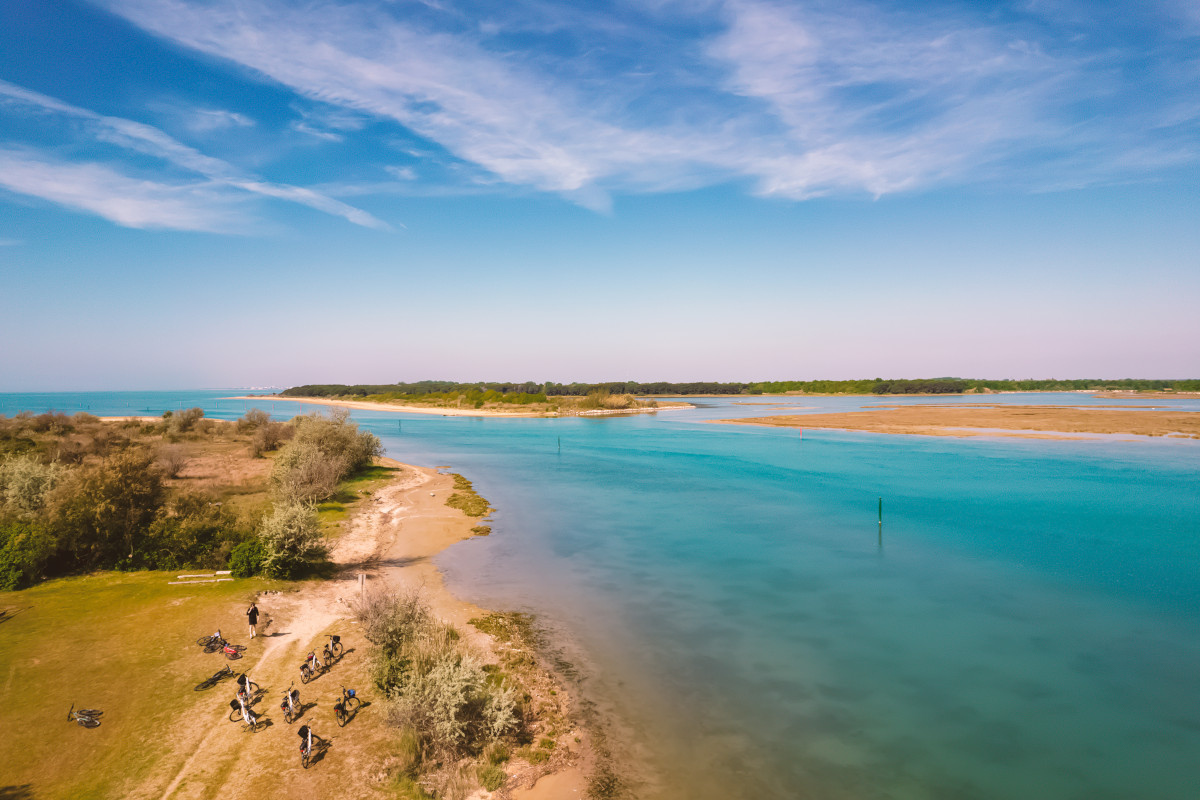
[881, 522]
[560, 444]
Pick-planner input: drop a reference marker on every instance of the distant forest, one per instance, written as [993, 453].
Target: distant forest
[530, 389]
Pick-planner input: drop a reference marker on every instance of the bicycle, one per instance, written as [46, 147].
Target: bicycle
[212, 644]
[311, 668]
[306, 745]
[344, 709]
[233, 651]
[212, 680]
[247, 688]
[87, 717]
[291, 703]
[333, 648]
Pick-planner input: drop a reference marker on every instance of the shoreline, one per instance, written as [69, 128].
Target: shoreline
[395, 537]
[364, 405]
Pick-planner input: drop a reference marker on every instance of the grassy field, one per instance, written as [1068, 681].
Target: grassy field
[125, 644]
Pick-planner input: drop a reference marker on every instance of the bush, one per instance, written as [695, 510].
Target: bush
[437, 688]
[25, 482]
[247, 558]
[252, 420]
[172, 459]
[291, 538]
[102, 514]
[322, 452]
[303, 474]
[193, 531]
[24, 550]
[183, 421]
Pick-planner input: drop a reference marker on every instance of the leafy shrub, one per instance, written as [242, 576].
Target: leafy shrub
[303, 474]
[192, 531]
[253, 419]
[183, 421]
[322, 451]
[247, 558]
[24, 550]
[291, 537]
[102, 513]
[25, 481]
[437, 687]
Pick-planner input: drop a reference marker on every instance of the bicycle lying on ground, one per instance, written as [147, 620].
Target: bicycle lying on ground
[345, 708]
[291, 703]
[311, 667]
[211, 643]
[233, 651]
[87, 717]
[212, 680]
[333, 648]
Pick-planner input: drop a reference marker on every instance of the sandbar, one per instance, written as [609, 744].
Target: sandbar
[367, 405]
[1037, 422]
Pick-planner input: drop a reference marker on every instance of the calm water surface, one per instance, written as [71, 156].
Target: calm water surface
[1027, 625]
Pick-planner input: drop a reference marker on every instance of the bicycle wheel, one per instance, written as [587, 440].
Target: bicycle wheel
[88, 722]
[287, 716]
[252, 688]
[304, 757]
[235, 715]
[337, 649]
[305, 673]
[340, 713]
[90, 712]
[203, 640]
[239, 647]
[212, 647]
[232, 655]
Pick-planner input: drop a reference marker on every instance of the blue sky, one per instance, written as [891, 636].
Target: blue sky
[271, 192]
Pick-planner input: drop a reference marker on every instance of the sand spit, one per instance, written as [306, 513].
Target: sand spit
[365, 405]
[1036, 422]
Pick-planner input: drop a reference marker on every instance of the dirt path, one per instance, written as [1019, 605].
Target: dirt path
[392, 539]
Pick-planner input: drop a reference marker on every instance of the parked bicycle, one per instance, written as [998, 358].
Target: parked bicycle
[306, 745]
[212, 680]
[246, 687]
[87, 717]
[333, 648]
[311, 668]
[291, 703]
[344, 709]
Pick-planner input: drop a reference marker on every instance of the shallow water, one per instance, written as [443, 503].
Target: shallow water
[1026, 625]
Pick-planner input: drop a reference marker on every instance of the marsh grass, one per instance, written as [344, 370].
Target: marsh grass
[467, 500]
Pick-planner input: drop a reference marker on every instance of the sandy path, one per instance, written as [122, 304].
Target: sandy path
[392, 538]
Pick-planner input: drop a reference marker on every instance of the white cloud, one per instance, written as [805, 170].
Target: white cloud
[151, 141]
[205, 120]
[119, 198]
[801, 99]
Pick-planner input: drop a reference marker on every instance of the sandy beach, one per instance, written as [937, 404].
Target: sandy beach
[449, 412]
[1036, 422]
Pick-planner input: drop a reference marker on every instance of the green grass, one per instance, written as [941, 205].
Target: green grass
[120, 642]
[336, 510]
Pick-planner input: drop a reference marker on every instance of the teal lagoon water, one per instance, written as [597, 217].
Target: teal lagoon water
[1027, 624]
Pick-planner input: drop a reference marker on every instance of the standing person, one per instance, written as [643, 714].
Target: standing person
[252, 615]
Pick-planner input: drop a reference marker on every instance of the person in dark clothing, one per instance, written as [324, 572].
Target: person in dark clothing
[252, 615]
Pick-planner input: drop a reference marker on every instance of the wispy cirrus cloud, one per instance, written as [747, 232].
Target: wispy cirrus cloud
[131, 202]
[138, 137]
[801, 99]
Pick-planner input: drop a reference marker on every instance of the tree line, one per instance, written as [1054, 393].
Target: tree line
[531, 392]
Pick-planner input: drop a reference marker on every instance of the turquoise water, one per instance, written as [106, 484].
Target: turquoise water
[1027, 625]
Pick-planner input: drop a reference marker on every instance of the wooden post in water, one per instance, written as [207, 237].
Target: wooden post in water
[881, 522]
[560, 444]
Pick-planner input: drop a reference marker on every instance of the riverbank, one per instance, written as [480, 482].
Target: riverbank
[365, 405]
[1036, 422]
[393, 540]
